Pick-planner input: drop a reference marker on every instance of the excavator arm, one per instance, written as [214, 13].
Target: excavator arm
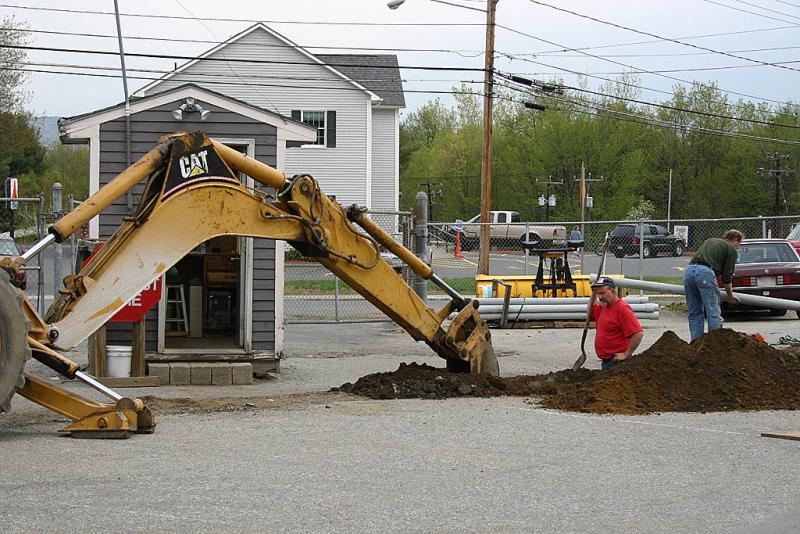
[192, 195]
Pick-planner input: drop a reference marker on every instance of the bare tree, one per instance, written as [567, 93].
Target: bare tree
[12, 62]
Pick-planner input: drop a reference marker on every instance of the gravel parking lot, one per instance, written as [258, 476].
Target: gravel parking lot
[331, 463]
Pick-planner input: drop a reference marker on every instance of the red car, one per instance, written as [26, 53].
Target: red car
[766, 267]
[794, 237]
[8, 248]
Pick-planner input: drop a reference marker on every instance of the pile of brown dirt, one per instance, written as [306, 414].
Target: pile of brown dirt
[420, 381]
[724, 370]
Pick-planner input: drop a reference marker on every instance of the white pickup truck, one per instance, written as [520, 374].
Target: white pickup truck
[507, 230]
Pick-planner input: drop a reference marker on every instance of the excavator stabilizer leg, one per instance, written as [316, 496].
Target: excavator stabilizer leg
[91, 419]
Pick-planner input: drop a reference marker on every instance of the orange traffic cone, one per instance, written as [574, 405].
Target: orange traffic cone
[458, 245]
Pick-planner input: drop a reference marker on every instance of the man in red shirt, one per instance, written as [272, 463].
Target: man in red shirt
[618, 331]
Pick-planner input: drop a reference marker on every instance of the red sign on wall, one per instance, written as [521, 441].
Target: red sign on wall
[139, 305]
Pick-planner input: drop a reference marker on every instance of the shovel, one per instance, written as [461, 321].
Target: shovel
[582, 358]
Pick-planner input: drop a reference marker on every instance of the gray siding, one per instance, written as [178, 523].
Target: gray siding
[146, 128]
[341, 171]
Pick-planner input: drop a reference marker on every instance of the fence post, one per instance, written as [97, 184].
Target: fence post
[641, 252]
[527, 252]
[336, 298]
[763, 227]
[421, 241]
[40, 226]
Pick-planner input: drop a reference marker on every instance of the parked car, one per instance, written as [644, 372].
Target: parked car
[394, 262]
[794, 237]
[655, 239]
[766, 267]
[507, 229]
[9, 249]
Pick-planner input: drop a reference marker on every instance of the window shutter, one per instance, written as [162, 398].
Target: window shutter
[296, 114]
[330, 126]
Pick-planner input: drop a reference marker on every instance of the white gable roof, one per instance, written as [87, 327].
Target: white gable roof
[258, 26]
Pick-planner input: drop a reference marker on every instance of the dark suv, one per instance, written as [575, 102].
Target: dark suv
[655, 239]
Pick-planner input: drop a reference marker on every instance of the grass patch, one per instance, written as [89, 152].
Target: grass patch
[676, 307]
[675, 280]
[316, 287]
[465, 286]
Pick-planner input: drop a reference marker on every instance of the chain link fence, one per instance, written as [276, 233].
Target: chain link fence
[314, 294]
[654, 250]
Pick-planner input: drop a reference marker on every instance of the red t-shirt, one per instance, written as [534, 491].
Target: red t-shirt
[615, 325]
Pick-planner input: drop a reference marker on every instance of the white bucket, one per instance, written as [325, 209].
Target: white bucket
[118, 361]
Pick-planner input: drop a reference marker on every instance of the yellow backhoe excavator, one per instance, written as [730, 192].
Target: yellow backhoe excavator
[191, 195]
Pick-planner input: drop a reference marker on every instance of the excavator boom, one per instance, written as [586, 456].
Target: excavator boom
[182, 207]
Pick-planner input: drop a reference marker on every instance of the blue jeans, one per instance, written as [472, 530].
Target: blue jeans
[702, 298]
[607, 365]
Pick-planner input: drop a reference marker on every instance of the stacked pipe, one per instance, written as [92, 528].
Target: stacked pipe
[555, 309]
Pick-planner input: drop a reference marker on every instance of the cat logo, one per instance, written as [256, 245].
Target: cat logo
[194, 164]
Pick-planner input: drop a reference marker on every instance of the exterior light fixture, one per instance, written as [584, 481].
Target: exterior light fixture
[190, 105]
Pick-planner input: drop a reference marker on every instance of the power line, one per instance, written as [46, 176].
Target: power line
[459, 52]
[745, 11]
[239, 60]
[791, 26]
[235, 84]
[252, 21]
[242, 76]
[652, 121]
[618, 115]
[757, 6]
[668, 39]
[632, 117]
[662, 106]
[674, 54]
[627, 66]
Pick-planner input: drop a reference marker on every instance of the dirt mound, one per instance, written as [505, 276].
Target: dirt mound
[723, 370]
[420, 381]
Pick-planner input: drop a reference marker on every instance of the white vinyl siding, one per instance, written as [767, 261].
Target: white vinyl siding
[295, 84]
[384, 154]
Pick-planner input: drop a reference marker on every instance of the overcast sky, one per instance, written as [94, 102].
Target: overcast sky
[67, 95]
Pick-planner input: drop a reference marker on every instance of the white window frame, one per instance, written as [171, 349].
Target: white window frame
[324, 126]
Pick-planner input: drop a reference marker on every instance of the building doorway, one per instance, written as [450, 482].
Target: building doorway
[205, 306]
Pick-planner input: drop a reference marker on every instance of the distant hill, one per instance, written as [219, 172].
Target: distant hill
[48, 130]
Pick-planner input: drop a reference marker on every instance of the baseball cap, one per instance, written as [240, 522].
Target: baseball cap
[604, 281]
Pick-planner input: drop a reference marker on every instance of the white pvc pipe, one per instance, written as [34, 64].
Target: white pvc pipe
[752, 300]
[546, 301]
[557, 308]
[557, 316]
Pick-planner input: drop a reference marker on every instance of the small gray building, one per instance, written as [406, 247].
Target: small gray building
[231, 288]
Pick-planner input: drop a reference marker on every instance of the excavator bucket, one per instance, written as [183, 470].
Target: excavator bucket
[14, 350]
[469, 335]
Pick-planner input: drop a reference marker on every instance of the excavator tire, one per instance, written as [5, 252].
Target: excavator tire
[14, 350]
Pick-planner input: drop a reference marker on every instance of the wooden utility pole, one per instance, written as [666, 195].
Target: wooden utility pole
[777, 173]
[582, 190]
[486, 157]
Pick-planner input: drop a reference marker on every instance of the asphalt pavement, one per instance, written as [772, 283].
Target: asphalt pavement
[339, 464]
